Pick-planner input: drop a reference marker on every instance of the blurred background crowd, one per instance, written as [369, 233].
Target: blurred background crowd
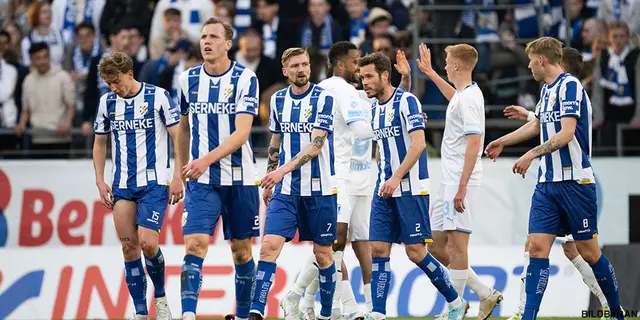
[49, 51]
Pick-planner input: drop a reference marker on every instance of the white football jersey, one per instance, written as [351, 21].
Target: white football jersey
[348, 108]
[465, 115]
[361, 183]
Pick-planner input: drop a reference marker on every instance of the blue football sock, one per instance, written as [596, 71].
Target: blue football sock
[265, 275]
[155, 269]
[606, 277]
[380, 284]
[190, 282]
[432, 268]
[137, 284]
[245, 276]
[536, 283]
[327, 284]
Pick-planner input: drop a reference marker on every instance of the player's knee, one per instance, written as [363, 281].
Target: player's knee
[197, 248]
[538, 248]
[570, 250]
[241, 252]
[130, 250]
[324, 256]
[379, 252]
[437, 250]
[268, 251]
[150, 248]
[416, 252]
[589, 252]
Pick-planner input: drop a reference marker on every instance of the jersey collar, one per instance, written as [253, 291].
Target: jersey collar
[300, 96]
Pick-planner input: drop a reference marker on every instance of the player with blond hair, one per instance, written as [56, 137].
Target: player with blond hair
[459, 193]
[564, 200]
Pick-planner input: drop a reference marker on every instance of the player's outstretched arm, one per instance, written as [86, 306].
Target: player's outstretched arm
[318, 138]
[559, 140]
[417, 146]
[527, 131]
[424, 64]
[99, 158]
[518, 113]
[404, 69]
[176, 187]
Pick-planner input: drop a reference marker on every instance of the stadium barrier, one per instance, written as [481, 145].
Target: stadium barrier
[60, 256]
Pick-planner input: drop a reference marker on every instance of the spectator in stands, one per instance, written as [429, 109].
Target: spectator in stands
[627, 11]
[172, 31]
[69, 14]
[249, 54]
[173, 55]
[78, 57]
[176, 64]
[17, 11]
[14, 50]
[592, 29]
[194, 13]
[615, 96]
[508, 60]
[48, 105]
[8, 81]
[225, 11]
[358, 12]
[96, 87]
[578, 14]
[115, 12]
[385, 44]
[42, 31]
[278, 34]
[320, 30]
[137, 49]
[378, 24]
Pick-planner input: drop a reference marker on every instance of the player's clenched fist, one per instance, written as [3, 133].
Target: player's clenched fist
[389, 187]
[266, 196]
[271, 179]
[494, 149]
[176, 190]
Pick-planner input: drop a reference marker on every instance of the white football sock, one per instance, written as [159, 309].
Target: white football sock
[347, 298]
[309, 300]
[307, 274]
[590, 279]
[457, 302]
[367, 296]
[336, 309]
[459, 280]
[523, 277]
[476, 285]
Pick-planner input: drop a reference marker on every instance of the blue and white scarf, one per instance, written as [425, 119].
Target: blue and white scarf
[487, 24]
[615, 78]
[358, 29]
[69, 23]
[81, 61]
[326, 38]
[270, 36]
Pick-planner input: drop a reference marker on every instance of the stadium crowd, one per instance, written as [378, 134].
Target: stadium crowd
[49, 51]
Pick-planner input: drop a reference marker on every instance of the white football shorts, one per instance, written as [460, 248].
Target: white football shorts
[354, 211]
[444, 217]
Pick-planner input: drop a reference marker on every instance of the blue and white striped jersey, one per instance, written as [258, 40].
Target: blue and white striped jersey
[211, 103]
[565, 97]
[294, 117]
[393, 120]
[139, 137]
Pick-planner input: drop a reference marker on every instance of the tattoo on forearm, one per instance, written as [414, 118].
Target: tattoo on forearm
[318, 141]
[545, 148]
[405, 83]
[301, 161]
[273, 158]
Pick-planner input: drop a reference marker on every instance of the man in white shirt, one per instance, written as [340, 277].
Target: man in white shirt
[459, 194]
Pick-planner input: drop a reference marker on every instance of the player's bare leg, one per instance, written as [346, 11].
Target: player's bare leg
[438, 248]
[362, 250]
[148, 239]
[269, 252]
[124, 219]
[603, 272]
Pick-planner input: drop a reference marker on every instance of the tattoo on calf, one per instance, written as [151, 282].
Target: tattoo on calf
[124, 239]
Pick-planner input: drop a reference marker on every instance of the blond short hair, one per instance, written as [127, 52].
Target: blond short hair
[114, 63]
[292, 52]
[550, 48]
[467, 54]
